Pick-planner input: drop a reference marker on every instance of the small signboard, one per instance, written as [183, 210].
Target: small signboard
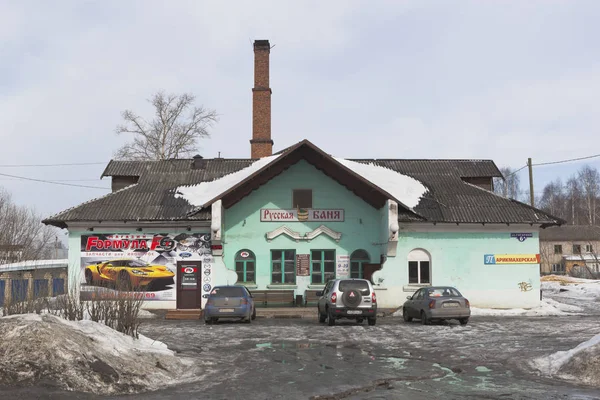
[343, 266]
[301, 215]
[303, 264]
[521, 237]
[189, 277]
[493, 259]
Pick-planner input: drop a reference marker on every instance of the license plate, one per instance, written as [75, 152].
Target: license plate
[354, 312]
[227, 310]
[450, 305]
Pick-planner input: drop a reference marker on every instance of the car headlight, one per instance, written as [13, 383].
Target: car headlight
[138, 272]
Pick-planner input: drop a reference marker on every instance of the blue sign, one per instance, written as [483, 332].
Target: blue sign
[185, 255]
[489, 259]
[206, 287]
[521, 236]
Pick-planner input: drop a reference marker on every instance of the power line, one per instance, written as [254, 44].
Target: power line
[49, 165]
[54, 182]
[512, 173]
[566, 161]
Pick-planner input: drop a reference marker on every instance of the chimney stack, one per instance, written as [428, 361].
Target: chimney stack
[261, 144]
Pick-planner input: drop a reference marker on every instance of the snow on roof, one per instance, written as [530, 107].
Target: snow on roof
[582, 257]
[404, 188]
[34, 264]
[202, 193]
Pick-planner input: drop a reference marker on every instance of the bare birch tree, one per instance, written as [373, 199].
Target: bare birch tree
[589, 180]
[22, 234]
[553, 199]
[509, 186]
[173, 132]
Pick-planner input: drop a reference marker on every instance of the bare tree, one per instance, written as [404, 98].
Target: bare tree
[589, 180]
[172, 133]
[553, 199]
[22, 235]
[573, 200]
[509, 186]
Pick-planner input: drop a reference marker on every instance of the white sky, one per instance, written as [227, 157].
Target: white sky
[504, 80]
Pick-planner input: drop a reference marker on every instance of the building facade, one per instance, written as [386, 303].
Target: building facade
[288, 222]
[570, 249]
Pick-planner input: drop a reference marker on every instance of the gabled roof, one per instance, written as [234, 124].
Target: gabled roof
[569, 233]
[447, 199]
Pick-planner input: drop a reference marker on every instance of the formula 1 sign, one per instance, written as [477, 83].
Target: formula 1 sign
[301, 215]
[492, 259]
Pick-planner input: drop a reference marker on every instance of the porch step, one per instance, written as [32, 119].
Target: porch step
[184, 314]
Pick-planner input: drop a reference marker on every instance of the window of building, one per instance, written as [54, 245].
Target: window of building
[576, 249]
[558, 268]
[357, 260]
[40, 288]
[2, 286]
[322, 266]
[18, 289]
[245, 266]
[558, 249]
[302, 198]
[58, 286]
[283, 266]
[419, 267]
[589, 248]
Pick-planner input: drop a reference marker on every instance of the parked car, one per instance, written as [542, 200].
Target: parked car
[128, 274]
[229, 302]
[437, 303]
[347, 298]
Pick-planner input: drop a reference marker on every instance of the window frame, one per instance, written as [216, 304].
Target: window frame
[578, 251]
[294, 206]
[419, 256]
[558, 249]
[246, 260]
[589, 248]
[360, 261]
[283, 271]
[322, 263]
[558, 267]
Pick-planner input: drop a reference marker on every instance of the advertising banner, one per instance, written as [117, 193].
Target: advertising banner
[142, 263]
[492, 259]
[343, 266]
[301, 215]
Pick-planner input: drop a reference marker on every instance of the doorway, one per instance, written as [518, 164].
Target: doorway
[368, 270]
[189, 288]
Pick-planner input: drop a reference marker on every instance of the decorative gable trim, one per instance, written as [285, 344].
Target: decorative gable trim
[308, 236]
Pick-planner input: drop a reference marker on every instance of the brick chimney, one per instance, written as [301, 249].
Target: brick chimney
[261, 144]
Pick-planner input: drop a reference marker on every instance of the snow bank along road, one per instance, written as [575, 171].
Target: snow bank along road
[302, 359]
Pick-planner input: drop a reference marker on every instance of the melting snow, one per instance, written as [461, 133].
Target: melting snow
[405, 189]
[204, 192]
[548, 307]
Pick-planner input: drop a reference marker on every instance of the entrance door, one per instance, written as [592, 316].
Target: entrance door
[189, 288]
[368, 270]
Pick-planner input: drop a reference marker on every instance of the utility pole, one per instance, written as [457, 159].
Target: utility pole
[531, 182]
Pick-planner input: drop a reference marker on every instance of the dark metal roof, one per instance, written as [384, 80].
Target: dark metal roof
[449, 198]
[568, 233]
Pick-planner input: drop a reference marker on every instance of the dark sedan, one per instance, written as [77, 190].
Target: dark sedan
[437, 303]
[229, 302]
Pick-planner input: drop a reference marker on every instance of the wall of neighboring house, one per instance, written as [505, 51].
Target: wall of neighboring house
[35, 283]
[552, 259]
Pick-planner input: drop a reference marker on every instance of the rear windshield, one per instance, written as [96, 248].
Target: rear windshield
[361, 286]
[228, 292]
[443, 292]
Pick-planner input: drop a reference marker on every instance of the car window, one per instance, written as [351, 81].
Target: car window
[361, 286]
[418, 295]
[443, 292]
[228, 292]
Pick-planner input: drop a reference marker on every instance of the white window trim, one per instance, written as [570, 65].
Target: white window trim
[419, 255]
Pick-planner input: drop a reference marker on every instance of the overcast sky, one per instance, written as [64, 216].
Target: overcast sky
[400, 79]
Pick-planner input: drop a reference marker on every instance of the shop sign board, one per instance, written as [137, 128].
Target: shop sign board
[493, 259]
[301, 215]
[303, 264]
[343, 266]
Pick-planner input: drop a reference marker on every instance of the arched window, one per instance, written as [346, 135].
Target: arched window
[245, 266]
[419, 267]
[357, 261]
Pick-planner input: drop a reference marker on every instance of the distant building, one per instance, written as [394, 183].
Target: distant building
[565, 247]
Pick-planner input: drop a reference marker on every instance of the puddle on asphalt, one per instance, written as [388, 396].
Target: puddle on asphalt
[482, 369]
[450, 377]
[396, 362]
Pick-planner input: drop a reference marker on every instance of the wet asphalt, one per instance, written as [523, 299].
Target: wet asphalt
[302, 359]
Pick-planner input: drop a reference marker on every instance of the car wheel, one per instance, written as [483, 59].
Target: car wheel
[424, 319]
[330, 319]
[463, 321]
[254, 313]
[372, 321]
[124, 282]
[89, 277]
[407, 318]
[322, 317]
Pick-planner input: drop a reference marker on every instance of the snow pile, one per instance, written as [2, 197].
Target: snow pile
[548, 307]
[566, 286]
[581, 363]
[405, 189]
[83, 356]
[202, 193]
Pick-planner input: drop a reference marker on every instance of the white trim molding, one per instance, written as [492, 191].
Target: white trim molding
[297, 236]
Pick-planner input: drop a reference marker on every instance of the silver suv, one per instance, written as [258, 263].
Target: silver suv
[347, 298]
